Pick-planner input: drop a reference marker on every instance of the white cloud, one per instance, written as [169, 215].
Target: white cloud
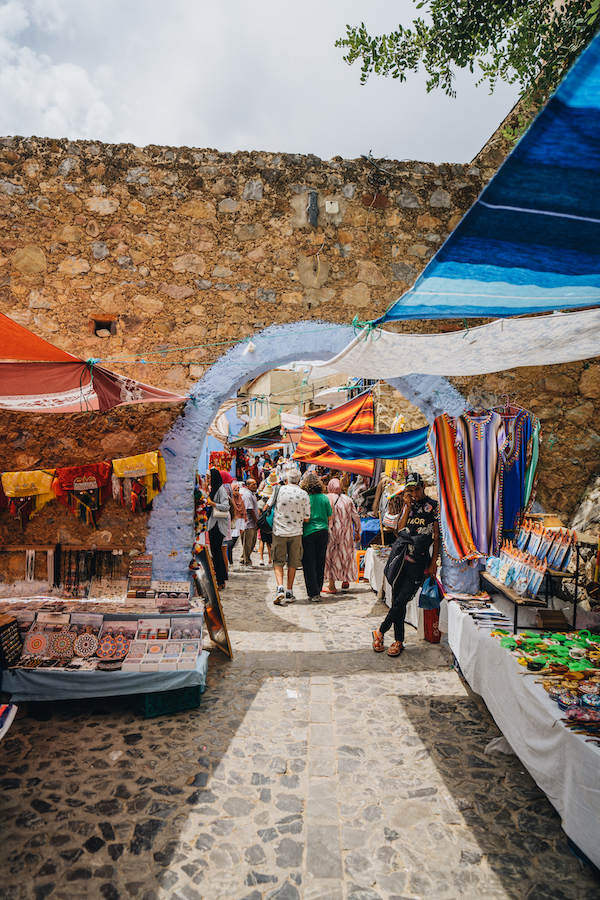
[233, 76]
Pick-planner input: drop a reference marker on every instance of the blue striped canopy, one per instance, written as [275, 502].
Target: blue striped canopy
[531, 242]
[403, 445]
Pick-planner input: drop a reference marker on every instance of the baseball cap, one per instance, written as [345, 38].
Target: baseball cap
[413, 479]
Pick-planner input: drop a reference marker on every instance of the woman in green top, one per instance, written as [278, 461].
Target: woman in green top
[315, 536]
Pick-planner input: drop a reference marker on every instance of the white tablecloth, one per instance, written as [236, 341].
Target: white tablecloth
[374, 566]
[561, 763]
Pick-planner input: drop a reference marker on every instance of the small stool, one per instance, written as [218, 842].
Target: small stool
[360, 562]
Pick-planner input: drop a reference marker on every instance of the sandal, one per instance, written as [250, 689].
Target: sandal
[327, 591]
[345, 585]
[396, 649]
[377, 642]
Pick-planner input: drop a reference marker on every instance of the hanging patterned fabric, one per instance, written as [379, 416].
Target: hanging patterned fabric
[221, 460]
[522, 431]
[480, 440]
[27, 492]
[138, 479]
[397, 465]
[454, 523]
[84, 490]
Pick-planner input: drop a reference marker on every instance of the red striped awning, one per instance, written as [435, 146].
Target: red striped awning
[355, 417]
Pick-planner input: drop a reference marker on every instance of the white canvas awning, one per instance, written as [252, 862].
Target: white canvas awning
[500, 345]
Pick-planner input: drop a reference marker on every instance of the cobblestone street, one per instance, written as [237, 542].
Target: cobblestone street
[314, 769]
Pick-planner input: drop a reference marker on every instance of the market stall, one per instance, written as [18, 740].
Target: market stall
[561, 762]
[74, 653]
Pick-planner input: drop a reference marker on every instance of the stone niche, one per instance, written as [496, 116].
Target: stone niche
[170, 255]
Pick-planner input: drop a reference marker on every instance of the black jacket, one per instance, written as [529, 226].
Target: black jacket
[418, 544]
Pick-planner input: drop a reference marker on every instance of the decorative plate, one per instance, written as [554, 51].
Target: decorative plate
[155, 649]
[122, 644]
[109, 665]
[189, 647]
[36, 644]
[85, 645]
[136, 648]
[61, 645]
[107, 647]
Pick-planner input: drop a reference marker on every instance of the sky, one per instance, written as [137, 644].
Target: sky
[229, 75]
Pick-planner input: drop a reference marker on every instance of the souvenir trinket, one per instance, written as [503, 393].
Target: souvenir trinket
[36, 644]
[61, 645]
[566, 700]
[591, 701]
[85, 645]
[107, 646]
[122, 645]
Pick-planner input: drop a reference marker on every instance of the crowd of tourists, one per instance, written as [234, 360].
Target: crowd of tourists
[310, 518]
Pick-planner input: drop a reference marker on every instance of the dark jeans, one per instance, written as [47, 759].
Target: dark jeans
[407, 584]
[313, 561]
[216, 549]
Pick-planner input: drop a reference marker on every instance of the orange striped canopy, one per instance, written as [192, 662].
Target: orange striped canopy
[355, 417]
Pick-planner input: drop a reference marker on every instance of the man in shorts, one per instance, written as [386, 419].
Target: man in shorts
[292, 510]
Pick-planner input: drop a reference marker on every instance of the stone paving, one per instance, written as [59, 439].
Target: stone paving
[314, 769]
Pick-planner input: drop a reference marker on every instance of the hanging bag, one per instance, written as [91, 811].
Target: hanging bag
[430, 597]
[265, 520]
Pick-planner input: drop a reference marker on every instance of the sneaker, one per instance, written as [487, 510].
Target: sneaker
[315, 599]
[279, 596]
[289, 597]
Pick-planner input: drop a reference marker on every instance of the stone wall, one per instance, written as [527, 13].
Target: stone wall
[388, 403]
[48, 441]
[158, 260]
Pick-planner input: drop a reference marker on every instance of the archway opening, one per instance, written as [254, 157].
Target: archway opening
[171, 523]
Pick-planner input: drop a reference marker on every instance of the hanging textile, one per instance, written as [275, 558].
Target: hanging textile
[530, 242]
[480, 438]
[531, 474]
[499, 345]
[396, 465]
[519, 425]
[138, 479]
[221, 459]
[84, 490]
[27, 492]
[380, 446]
[356, 417]
[454, 523]
[29, 565]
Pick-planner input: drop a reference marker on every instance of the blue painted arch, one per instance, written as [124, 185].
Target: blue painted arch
[171, 524]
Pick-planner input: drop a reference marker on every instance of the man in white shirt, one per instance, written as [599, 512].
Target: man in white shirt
[248, 528]
[292, 510]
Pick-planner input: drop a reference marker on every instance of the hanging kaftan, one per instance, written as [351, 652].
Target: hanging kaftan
[517, 456]
[480, 440]
[454, 523]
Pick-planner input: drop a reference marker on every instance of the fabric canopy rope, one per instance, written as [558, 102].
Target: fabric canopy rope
[500, 345]
[379, 446]
[530, 242]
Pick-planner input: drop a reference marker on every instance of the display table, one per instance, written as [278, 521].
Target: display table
[64, 684]
[560, 761]
[374, 566]
[493, 585]
[369, 529]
